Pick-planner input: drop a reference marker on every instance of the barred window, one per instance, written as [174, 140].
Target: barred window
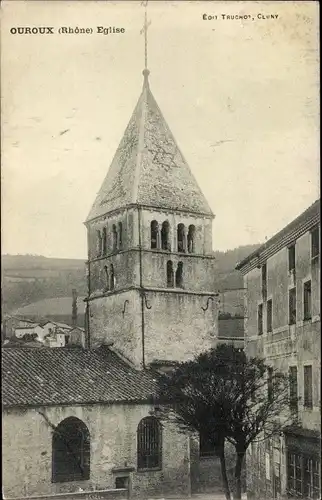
[70, 451]
[303, 476]
[149, 442]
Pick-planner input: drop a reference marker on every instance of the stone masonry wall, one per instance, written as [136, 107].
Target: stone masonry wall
[27, 452]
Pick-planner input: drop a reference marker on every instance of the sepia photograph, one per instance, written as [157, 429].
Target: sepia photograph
[160, 250]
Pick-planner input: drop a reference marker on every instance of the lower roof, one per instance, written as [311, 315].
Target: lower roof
[61, 376]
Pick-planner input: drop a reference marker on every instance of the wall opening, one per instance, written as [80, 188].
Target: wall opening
[98, 243]
[114, 237]
[170, 274]
[181, 238]
[179, 275]
[154, 234]
[70, 451]
[165, 236]
[121, 482]
[191, 238]
[104, 241]
[112, 277]
[149, 444]
[120, 235]
[106, 278]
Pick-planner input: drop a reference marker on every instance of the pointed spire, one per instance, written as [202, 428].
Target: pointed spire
[144, 30]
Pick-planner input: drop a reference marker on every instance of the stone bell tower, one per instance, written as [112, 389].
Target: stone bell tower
[150, 263]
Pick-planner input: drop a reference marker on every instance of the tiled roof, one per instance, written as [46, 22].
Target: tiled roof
[54, 376]
[148, 167]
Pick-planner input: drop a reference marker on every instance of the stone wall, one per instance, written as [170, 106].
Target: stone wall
[27, 452]
[287, 345]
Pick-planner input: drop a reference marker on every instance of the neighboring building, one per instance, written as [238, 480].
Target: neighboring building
[10, 323]
[282, 325]
[55, 339]
[76, 337]
[150, 302]
[231, 317]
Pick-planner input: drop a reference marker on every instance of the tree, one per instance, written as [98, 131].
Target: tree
[229, 397]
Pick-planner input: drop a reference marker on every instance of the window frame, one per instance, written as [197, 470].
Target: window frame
[83, 451]
[292, 315]
[264, 281]
[293, 387]
[260, 318]
[291, 258]
[211, 451]
[308, 388]
[307, 305]
[144, 452]
[315, 232]
[269, 317]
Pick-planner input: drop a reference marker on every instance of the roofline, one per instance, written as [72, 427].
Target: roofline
[148, 401]
[209, 215]
[311, 211]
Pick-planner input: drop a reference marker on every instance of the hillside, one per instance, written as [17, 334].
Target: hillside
[27, 279]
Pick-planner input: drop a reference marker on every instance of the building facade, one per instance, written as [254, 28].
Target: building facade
[282, 325]
[150, 261]
[86, 417]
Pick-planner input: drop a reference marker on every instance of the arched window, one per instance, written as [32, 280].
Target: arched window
[70, 451]
[98, 243]
[112, 277]
[191, 238]
[120, 235]
[114, 237]
[106, 278]
[104, 241]
[181, 238]
[165, 231]
[179, 275]
[149, 444]
[170, 274]
[154, 234]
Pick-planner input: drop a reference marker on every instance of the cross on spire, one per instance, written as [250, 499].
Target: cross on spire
[144, 30]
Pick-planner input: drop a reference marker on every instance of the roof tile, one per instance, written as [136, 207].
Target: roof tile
[53, 376]
[148, 167]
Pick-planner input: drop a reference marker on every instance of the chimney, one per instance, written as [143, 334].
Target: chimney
[74, 307]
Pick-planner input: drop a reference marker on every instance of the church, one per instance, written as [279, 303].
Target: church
[85, 419]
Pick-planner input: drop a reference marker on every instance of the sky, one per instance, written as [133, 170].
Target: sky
[241, 97]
